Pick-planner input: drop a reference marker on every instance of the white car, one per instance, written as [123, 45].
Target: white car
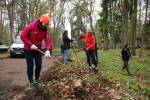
[17, 48]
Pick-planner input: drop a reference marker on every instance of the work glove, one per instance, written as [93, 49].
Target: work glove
[47, 54]
[87, 49]
[33, 47]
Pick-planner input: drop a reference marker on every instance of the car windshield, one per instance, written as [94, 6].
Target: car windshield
[18, 41]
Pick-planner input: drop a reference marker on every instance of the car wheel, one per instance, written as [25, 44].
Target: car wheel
[12, 55]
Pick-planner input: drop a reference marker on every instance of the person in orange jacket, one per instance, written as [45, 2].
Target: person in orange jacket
[90, 48]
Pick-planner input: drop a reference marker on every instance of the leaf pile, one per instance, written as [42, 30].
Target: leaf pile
[72, 84]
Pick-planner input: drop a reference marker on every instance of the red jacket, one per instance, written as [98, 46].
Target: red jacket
[89, 40]
[31, 34]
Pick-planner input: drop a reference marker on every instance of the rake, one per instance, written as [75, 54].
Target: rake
[78, 59]
[52, 58]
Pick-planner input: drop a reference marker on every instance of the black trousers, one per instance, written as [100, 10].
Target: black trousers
[91, 57]
[32, 57]
[96, 56]
[126, 66]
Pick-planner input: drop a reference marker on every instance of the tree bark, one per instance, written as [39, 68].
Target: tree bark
[1, 25]
[10, 8]
[140, 54]
[105, 40]
[125, 22]
[90, 15]
[133, 26]
[57, 26]
[147, 1]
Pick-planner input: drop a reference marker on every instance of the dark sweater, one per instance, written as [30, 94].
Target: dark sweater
[66, 43]
[126, 54]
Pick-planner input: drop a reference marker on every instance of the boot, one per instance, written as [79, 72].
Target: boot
[30, 87]
[127, 69]
[94, 69]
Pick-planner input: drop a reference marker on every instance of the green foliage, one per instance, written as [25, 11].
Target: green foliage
[113, 62]
[110, 21]
[137, 84]
[59, 40]
[139, 90]
[6, 35]
[138, 66]
[93, 79]
[80, 9]
[146, 29]
[79, 25]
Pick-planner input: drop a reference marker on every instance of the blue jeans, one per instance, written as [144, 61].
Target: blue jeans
[66, 56]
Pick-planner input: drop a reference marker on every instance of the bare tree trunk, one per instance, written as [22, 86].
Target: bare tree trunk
[125, 22]
[57, 26]
[112, 40]
[2, 12]
[133, 26]
[139, 29]
[145, 21]
[141, 43]
[1, 25]
[71, 25]
[26, 13]
[3, 33]
[37, 7]
[90, 14]
[30, 11]
[147, 2]
[113, 37]
[106, 40]
[10, 8]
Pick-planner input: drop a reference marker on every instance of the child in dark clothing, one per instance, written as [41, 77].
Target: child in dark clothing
[125, 57]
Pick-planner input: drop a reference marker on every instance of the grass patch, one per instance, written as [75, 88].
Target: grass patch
[139, 66]
[111, 59]
[92, 79]
[55, 50]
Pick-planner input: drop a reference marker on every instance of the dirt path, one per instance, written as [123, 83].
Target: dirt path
[13, 75]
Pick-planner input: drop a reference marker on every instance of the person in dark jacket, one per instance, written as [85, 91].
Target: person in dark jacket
[66, 46]
[125, 57]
